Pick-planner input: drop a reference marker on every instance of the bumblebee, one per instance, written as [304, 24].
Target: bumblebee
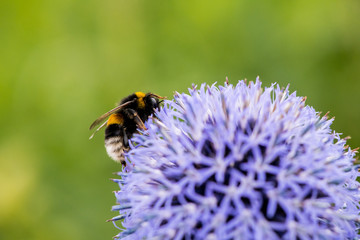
[124, 121]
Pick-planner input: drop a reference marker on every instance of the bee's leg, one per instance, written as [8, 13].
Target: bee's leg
[133, 115]
[126, 140]
[125, 147]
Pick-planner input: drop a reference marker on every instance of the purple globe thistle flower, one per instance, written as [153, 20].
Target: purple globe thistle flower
[239, 162]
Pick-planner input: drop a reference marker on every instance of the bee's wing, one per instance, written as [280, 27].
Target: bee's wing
[102, 125]
[105, 115]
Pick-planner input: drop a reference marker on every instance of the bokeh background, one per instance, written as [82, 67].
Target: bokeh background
[65, 62]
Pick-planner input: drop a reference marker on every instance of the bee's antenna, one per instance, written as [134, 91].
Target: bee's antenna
[157, 96]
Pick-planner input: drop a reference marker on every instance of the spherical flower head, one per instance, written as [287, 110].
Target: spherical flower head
[238, 162]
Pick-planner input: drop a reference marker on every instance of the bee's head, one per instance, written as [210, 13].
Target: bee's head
[152, 101]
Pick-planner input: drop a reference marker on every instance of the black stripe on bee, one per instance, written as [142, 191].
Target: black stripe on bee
[114, 130]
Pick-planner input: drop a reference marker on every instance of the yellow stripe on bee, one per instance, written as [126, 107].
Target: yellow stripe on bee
[115, 119]
[140, 94]
[140, 100]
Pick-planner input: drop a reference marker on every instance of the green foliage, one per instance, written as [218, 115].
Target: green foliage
[63, 63]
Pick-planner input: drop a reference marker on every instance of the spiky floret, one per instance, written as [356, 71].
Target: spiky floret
[239, 162]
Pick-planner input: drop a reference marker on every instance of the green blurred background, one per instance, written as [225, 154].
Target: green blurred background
[63, 63]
